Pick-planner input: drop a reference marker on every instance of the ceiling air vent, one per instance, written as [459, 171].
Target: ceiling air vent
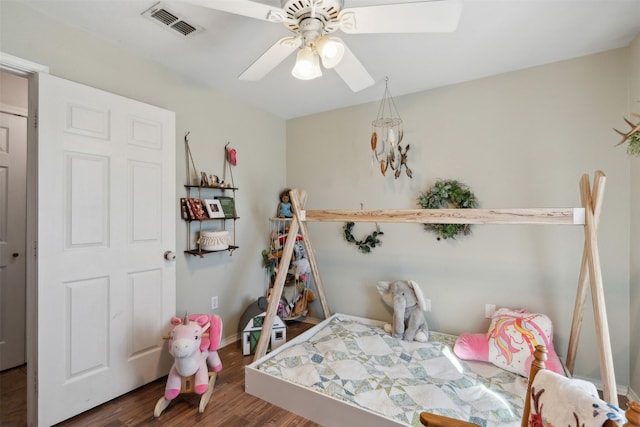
[161, 15]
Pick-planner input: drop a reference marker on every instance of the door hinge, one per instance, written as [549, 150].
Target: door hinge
[35, 248]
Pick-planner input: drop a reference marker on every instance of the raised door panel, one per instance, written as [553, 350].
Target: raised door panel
[87, 197]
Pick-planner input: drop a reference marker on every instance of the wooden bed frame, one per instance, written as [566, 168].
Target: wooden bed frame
[590, 272]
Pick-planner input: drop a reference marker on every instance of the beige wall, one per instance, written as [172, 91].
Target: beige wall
[211, 118]
[13, 92]
[520, 139]
[634, 315]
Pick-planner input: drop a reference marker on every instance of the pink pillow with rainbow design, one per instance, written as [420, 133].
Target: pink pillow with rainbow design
[511, 341]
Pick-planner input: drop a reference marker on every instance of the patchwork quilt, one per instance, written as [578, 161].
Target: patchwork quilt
[364, 366]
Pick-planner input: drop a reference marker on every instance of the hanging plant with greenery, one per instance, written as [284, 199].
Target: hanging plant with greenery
[448, 194]
[632, 136]
[367, 243]
[634, 144]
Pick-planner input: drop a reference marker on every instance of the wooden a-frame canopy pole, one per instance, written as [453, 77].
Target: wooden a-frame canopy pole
[588, 216]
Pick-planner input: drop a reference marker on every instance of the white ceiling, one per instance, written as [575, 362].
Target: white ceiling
[493, 37]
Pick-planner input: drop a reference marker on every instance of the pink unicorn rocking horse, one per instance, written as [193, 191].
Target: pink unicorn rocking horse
[193, 343]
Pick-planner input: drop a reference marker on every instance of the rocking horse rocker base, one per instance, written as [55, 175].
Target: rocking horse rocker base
[193, 344]
[188, 387]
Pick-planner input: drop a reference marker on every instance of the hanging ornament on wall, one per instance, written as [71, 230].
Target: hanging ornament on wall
[386, 136]
[231, 159]
[632, 136]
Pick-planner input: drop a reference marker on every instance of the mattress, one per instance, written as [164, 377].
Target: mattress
[348, 370]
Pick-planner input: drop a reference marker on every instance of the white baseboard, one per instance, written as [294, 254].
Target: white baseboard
[230, 340]
[632, 395]
[622, 390]
[237, 336]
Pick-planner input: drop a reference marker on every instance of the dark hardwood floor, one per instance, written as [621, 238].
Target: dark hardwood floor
[13, 397]
[229, 404]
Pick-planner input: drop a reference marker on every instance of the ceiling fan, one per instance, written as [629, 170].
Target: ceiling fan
[313, 23]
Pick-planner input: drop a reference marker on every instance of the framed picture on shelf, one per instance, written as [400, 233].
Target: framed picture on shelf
[204, 181]
[197, 209]
[228, 206]
[214, 208]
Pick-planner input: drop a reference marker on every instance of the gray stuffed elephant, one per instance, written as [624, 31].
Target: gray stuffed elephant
[405, 297]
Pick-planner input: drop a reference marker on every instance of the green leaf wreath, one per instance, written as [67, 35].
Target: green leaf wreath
[366, 244]
[447, 194]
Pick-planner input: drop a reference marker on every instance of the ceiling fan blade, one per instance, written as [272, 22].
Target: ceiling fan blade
[353, 72]
[271, 58]
[418, 17]
[248, 8]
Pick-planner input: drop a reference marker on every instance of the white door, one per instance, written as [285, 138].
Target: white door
[106, 215]
[13, 163]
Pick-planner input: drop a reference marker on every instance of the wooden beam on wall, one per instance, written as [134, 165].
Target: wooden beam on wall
[573, 216]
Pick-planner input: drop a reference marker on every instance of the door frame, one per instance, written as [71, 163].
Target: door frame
[29, 70]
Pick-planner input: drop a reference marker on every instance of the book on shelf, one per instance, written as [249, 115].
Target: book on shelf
[228, 206]
[197, 209]
[184, 209]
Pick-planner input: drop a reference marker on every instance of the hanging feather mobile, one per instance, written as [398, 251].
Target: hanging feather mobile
[386, 136]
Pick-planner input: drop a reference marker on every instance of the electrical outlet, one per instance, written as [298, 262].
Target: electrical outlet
[489, 309]
[427, 304]
[214, 303]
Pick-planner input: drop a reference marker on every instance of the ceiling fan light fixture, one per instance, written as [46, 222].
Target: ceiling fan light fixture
[307, 65]
[331, 51]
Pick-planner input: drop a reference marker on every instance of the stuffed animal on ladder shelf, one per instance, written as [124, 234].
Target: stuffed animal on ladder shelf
[193, 343]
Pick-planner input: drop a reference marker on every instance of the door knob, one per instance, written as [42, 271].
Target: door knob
[15, 254]
[169, 256]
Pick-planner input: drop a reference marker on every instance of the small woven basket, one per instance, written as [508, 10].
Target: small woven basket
[213, 240]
